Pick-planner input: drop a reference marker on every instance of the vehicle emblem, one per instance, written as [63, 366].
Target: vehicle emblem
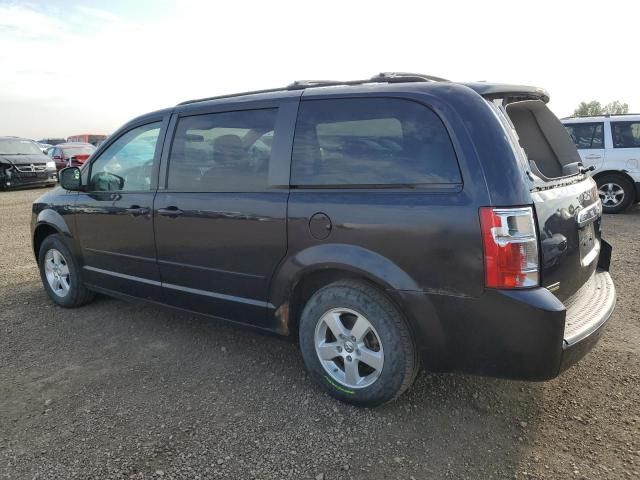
[33, 167]
[349, 347]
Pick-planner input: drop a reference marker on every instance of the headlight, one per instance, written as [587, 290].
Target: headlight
[51, 164]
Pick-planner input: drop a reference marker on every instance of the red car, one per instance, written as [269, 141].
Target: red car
[70, 154]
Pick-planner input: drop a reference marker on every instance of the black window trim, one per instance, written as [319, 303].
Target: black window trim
[613, 123]
[163, 121]
[424, 187]
[595, 125]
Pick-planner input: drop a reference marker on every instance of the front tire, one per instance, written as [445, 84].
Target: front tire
[356, 344]
[60, 274]
[616, 192]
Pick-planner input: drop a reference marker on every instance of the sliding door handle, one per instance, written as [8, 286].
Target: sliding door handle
[170, 212]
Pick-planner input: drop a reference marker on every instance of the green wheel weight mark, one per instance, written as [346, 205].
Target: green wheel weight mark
[338, 387]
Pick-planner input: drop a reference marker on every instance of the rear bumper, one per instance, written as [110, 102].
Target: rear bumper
[587, 313]
[519, 334]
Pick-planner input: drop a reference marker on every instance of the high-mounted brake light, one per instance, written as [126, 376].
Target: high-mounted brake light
[511, 258]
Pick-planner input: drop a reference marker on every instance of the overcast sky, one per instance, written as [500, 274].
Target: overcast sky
[69, 67]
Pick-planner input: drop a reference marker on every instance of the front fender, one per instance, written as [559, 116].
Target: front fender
[52, 219]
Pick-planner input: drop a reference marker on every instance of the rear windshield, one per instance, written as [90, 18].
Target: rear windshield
[19, 147]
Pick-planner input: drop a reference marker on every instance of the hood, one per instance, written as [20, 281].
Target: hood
[24, 159]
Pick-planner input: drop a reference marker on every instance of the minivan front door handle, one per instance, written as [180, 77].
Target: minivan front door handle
[170, 212]
[593, 157]
[135, 210]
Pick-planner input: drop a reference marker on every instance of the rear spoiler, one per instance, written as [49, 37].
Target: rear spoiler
[509, 93]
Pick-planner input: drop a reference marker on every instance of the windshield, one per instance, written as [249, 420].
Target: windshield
[74, 151]
[18, 147]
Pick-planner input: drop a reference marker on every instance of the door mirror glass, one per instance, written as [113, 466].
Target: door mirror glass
[70, 178]
[107, 182]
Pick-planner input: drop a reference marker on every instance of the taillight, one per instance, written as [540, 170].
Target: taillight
[510, 247]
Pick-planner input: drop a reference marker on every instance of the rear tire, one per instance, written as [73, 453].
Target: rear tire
[60, 274]
[616, 192]
[368, 352]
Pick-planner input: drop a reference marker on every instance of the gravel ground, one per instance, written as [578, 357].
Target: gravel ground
[119, 390]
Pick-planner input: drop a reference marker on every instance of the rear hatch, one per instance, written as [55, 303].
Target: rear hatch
[569, 225]
[566, 203]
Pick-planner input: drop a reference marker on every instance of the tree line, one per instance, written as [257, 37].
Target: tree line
[587, 109]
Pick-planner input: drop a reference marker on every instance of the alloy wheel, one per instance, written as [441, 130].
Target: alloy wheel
[611, 194]
[349, 348]
[57, 272]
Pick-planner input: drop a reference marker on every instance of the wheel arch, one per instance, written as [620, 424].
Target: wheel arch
[49, 222]
[303, 274]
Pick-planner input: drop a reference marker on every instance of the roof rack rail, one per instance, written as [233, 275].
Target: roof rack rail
[606, 115]
[398, 77]
[383, 77]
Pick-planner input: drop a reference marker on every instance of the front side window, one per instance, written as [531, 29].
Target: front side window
[222, 152]
[626, 134]
[586, 135]
[127, 164]
[378, 141]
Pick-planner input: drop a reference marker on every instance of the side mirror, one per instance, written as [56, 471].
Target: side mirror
[70, 178]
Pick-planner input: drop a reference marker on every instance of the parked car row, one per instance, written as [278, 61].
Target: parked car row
[24, 162]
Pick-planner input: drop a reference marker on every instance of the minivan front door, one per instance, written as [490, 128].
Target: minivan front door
[114, 215]
[220, 220]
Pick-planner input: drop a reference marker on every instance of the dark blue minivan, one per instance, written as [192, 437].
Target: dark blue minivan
[387, 224]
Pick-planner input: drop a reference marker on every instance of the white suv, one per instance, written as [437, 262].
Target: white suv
[611, 145]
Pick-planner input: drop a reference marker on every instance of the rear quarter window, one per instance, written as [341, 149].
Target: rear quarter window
[372, 141]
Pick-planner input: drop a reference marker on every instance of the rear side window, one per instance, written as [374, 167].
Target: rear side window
[222, 152]
[586, 135]
[626, 134]
[372, 141]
